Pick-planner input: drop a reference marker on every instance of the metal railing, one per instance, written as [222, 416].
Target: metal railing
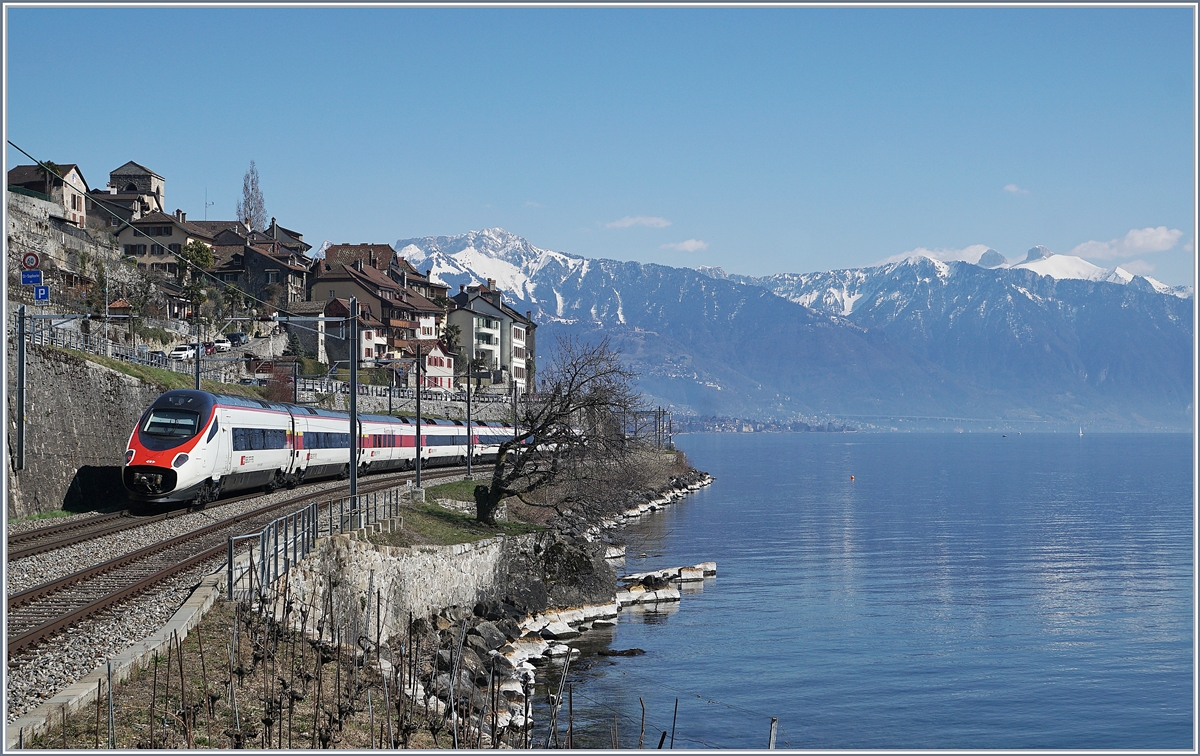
[44, 332]
[285, 541]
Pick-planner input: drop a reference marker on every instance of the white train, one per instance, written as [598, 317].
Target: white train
[195, 446]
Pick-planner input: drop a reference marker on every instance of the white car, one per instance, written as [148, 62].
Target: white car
[183, 352]
[223, 344]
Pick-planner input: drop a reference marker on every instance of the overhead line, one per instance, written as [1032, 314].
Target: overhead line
[136, 230]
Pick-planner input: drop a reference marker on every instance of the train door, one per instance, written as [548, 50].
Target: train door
[221, 449]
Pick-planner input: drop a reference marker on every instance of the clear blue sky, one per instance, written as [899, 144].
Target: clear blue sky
[770, 140]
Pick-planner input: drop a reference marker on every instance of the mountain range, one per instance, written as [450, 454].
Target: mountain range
[1048, 343]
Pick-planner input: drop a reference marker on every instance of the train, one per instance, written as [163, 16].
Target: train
[195, 446]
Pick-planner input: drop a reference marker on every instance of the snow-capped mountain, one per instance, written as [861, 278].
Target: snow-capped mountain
[1043, 261]
[474, 257]
[915, 337]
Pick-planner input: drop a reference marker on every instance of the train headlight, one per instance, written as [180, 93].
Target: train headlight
[129, 456]
[179, 460]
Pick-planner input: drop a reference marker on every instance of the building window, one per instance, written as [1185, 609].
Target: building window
[175, 248]
[157, 249]
[332, 294]
[272, 276]
[135, 249]
[518, 334]
[114, 221]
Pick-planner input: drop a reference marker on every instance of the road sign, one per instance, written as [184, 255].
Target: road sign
[31, 277]
[41, 293]
[30, 260]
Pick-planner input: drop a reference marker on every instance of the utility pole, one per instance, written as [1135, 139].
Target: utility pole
[199, 346]
[392, 388]
[107, 345]
[470, 434]
[354, 400]
[417, 459]
[295, 379]
[20, 463]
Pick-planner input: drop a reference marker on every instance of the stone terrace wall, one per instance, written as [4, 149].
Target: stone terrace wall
[418, 579]
[78, 418]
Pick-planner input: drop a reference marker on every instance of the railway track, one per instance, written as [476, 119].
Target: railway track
[41, 611]
[33, 542]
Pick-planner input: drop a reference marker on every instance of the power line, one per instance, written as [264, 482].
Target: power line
[178, 256]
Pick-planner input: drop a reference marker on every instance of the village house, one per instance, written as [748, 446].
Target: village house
[132, 192]
[496, 332]
[155, 239]
[70, 190]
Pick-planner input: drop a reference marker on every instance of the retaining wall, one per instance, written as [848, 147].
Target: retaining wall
[78, 418]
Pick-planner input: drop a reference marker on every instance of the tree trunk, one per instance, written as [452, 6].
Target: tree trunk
[485, 505]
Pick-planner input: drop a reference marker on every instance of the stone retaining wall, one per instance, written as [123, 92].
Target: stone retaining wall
[419, 580]
[78, 418]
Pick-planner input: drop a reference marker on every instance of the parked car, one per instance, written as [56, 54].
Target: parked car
[210, 347]
[183, 352]
[238, 338]
[223, 344]
[158, 355]
[248, 382]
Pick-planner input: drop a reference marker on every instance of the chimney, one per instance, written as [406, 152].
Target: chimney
[429, 272]
[462, 288]
[183, 217]
[176, 213]
[529, 315]
[274, 230]
[358, 265]
[372, 258]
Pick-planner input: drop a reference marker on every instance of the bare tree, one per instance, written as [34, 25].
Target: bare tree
[571, 429]
[251, 209]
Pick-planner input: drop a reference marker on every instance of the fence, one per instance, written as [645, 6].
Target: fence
[47, 332]
[288, 539]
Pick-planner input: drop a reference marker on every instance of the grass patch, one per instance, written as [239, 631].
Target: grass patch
[52, 514]
[428, 524]
[168, 379]
[459, 490]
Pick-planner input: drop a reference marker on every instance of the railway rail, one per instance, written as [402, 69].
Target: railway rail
[39, 612]
[41, 540]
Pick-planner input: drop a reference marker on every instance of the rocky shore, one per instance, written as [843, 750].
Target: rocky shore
[503, 645]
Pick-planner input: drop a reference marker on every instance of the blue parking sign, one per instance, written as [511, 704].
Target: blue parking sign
[41, 293]
[31, 277]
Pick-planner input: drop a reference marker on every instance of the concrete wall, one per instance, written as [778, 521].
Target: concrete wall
[78, 419]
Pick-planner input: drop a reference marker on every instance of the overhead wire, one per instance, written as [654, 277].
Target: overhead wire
[178, 256]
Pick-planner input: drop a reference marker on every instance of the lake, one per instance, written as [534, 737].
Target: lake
[964, 591]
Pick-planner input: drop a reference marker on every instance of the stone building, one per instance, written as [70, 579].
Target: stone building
[61, 184]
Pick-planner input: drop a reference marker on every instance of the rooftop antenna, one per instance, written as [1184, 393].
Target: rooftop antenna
[207, 204]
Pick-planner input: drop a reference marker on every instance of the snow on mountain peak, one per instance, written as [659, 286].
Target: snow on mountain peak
[472, 258]
[1037, 253]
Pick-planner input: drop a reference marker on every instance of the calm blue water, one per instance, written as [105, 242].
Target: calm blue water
[964, 591]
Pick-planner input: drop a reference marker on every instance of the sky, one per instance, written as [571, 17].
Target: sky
[760, 140]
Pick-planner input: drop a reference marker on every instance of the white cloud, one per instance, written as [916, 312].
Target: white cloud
[1014, 189]
[639, 220]
[969, 254]
[1138, 241]
[691, 245]
[1138, 267]
[531, 203]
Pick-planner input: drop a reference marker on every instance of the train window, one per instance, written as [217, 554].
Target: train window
[171, 423]
[212, 432]
[256, 438]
